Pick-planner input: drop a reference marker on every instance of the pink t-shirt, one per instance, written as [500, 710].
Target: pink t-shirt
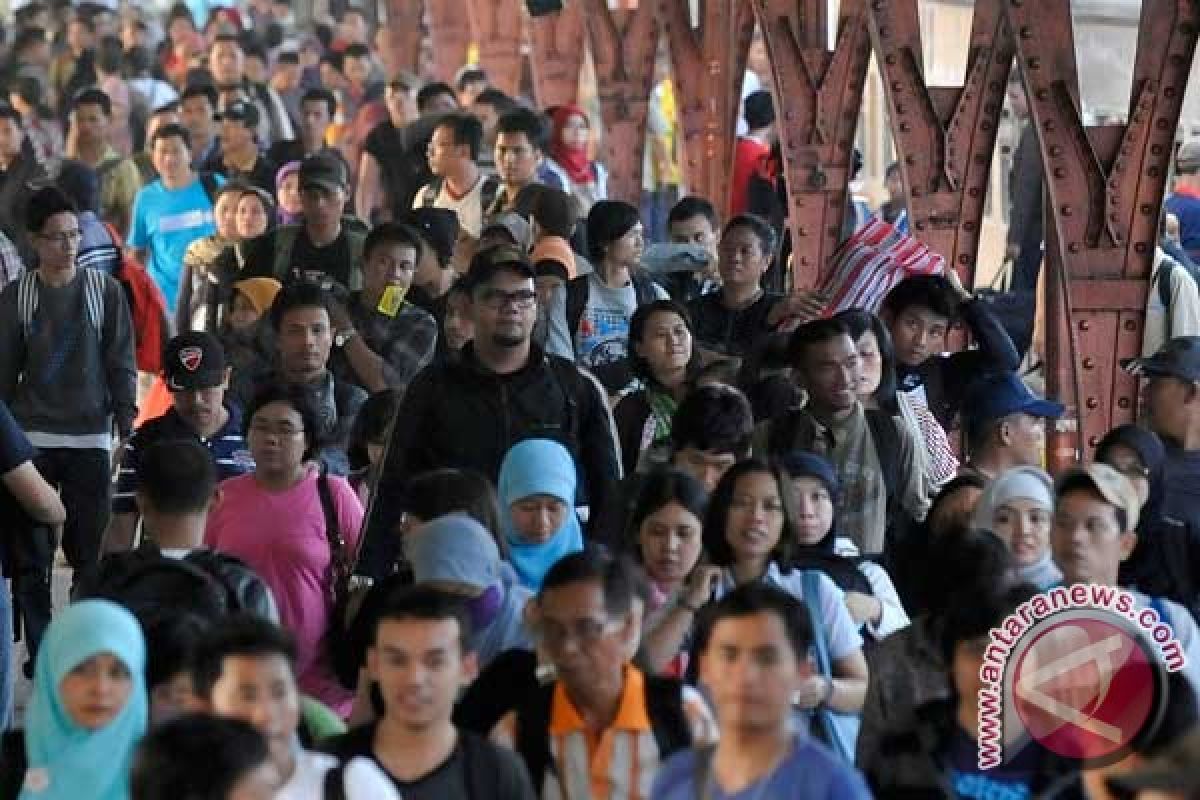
[281, 535]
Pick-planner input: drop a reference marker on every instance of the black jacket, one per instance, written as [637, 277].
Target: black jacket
[464, 416]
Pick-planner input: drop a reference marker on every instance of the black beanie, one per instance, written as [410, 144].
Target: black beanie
[608, 221]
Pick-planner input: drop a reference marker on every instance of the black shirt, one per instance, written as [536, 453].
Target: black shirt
[261, 175]
[730, 333]
[400, 154]
[334, 259]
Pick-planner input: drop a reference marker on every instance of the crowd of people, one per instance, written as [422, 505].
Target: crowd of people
[393, 457]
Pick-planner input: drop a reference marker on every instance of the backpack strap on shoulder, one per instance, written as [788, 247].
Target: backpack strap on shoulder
[334, 785]
[285, 242]
[533, 735]
[27, 301]
[93, 298]
[577, 297]
[887, 449]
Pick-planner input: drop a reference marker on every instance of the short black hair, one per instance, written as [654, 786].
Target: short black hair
[817, 331]
[761, 229]
[467, 130]
[963, 622]
[391, 233]
[195, 757]
[333, 59]
[926, 291]
[693, 206]
[637, 331]
[172, 131]
[205, 90]
[617, 576]
[237, 635]
[979, 562]
[759, 109]
[177, 476]
[44, 204]
[555, 211]
[110, 53]
[290, 57]
[171, 634]
[471, 75]
[716, 539]
[716, 419]
[497, 99]
[660, 488]
[91, 96]
[319, 94]
[758, 598]
[371, 424]
[1081, 482]
[526, 121]
[80, 183]
[356, 50]
[8, 112]
[299, 294]
[427, 93]
[427, 604]
[226, 38]
[301, 401]
[439, 492]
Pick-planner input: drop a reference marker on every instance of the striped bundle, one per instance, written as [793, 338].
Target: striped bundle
[873, 260]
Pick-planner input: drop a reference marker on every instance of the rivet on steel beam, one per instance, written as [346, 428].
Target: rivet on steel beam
[973, 191]
[1066, 211]
[1050, 125]
[1074, 247]
[1055, 151]
[1146, 209]
[1035, 63]
[969, 227]
[1042, 94]
[1089, 363]
[1093, 441]
[884, 31]
[1085, 325]
[916, 191]
[905, 127]
[985, 126]
[1153, 172]
[920, 226]
[1092, 403]
[1026, 33]
[964, 259]
[1156, 150]
[1060, 173]
[901, 108]
[910, 160]
[1123, 403]
[890, 60]
[1140, 248]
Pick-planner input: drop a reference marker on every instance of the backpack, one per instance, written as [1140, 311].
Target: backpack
[487, 195]
[93, 288]
[147, 308]
[147, 582]
[481, 761]
[577, 296]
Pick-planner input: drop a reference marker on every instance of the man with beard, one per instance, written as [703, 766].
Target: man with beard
[195, 372]
[503, 389]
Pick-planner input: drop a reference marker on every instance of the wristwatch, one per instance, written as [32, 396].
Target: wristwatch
[343, 336]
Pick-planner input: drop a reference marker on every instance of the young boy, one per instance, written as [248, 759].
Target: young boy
[201, 756]
[420, 660]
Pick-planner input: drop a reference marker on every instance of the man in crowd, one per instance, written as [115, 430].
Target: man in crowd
[195, 372]
[20, 172]
[227, 61]
[240, 158]
[458, 183]
[317, 109]
[198, 110]
[393, 165]
[1005, 424]
[520, 147]
[88, 141]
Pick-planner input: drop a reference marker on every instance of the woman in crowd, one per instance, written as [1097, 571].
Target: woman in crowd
[255, 213]
[750, 533]
[251, 299]
[278, 518]
[287, 194]
[1018, 506]
[660, 343]
[570, 158]
[870, 596]
[1165, 562]
[537, 501]
[877, 389]
[87, 712]
[196, 301]
[666, 536]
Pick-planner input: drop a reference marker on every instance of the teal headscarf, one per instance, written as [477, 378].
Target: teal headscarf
[67, 762]
[539, 466]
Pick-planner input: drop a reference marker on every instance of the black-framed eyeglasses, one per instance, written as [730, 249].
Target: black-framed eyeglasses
[498, 298]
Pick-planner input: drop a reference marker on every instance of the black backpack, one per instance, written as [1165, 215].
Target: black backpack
[487, 195]
[577, 296]
[148, 583]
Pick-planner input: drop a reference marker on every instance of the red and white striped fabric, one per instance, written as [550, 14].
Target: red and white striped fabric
[871, 262]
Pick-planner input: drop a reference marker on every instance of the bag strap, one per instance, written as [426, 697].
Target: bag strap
[1163, 276]
[882, 427]
[577, 297]
[334, 787]
[208, 182]
[811, 586]
[339, 558]
[285, 242]
[702, 773]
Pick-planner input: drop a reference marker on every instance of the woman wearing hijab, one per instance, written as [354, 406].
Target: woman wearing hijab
[584, 178]
[1018, 506]
[537, 502]
[1165, 562]
[88, 709]
[870, 595]
[288, 209]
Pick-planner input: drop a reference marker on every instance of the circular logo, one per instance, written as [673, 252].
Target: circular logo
[1087, 685]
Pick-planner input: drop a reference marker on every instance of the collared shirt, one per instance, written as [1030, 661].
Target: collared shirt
[406, 342]
[228, 448]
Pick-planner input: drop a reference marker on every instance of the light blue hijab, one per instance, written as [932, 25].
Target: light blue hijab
[67, 762]
[538, 466]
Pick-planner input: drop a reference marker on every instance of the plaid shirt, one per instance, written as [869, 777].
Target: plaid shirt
[11, 266]
[405, 342]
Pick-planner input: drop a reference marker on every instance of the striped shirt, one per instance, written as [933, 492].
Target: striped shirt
[228, 448]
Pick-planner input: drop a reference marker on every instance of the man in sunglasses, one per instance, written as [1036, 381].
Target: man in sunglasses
[504, 389]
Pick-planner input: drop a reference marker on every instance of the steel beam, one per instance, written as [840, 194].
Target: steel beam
[709, 64]
[1105, 188]
[624, 44]
[451, 30]
[558, 49]
[819, 94]
[404, 33]
[945, 136]
[499, 28]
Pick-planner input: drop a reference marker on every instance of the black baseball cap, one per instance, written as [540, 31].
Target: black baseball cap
[487, 263]
[324, 171]
[194, 360]
[1178, 358]
[243, 112]
[437, 226]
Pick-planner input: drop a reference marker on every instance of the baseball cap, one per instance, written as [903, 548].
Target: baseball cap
[1188, 157]
[1001, 394]
[1112, 486]
[194, 360]
[1179, 358]
[243, 112]
[438, 226]
[512, 225]
[1173, 770]
[552, 255]
[324, 171]
[487, 263]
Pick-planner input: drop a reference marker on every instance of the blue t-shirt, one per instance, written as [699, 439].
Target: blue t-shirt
[15, 448]
[165, 222]
[810, 772]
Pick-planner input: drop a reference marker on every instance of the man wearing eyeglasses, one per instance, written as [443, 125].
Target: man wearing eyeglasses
[67, 372]
[504, 389]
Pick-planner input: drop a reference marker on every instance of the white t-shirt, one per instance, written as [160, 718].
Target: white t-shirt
[363, 779]
[469, 207]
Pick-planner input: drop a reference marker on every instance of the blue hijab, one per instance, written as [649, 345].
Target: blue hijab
[538, 466]
[67, 762]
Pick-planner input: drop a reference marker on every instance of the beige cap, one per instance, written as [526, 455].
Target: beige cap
[1187, 160]
[1112, 486]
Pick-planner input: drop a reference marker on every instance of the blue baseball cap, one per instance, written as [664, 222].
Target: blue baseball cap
[1178, 358]
[1001, 394]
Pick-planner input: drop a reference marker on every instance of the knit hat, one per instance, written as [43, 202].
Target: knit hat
[552, 255]
[290, 168]
[259, 291]
[608, 221]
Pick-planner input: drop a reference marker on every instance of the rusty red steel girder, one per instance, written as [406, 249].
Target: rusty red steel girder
[709, 63]
[1105, 188]
[819, 94]
[499, 30]
[556, 56]
[624, 45]
[404, 33]
[451, 30]
[945, 136]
